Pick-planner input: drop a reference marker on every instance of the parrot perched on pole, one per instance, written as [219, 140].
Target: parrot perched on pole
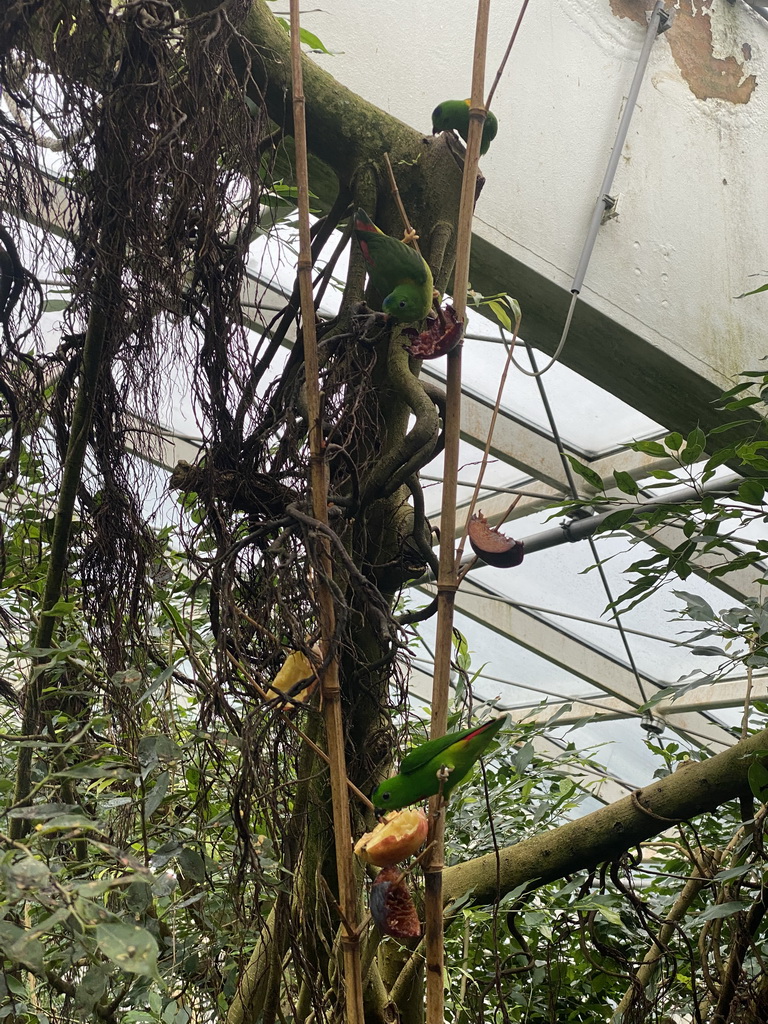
[397, 272]
[452, 755]
[454, 114]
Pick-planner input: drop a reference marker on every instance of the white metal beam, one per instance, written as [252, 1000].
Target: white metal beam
[532, 450]
[728, 693]
[483, 605]
[601, 785]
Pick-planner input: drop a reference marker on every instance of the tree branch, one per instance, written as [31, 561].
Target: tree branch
[695, 788]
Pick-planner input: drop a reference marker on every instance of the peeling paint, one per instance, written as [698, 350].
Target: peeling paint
[709, 57]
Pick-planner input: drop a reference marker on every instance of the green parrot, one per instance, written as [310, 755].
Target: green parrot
[454, 114]
[420, 769]
[396, 271]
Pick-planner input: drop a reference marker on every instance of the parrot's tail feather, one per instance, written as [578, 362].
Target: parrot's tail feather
[364, 223]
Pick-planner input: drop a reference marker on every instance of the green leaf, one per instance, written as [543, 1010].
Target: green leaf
[523, 757]
[586, 473]
[696, 439]
[308, 38]
[735, 390]
[674, 441]
[28, 951]
[55, 305]
[155, 685]
[751, 491]
[696, 607]
[650, 448]
[27, 874]
[40, 811]
[192, 864]
[758, 781]
[625, 483]
[690, 454]
[721, 428]
[62, 608]
[743, 403]
[722, 910]
[153, 749]
[156, 794]
[755, 291]
[501, 314]
[133, 949]
[728, 873]
[616, 520]
[313, 42]
[720, 457]
[90, 988]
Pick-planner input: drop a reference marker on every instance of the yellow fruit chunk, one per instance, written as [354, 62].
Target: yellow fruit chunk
[399, 835]
[296, 666]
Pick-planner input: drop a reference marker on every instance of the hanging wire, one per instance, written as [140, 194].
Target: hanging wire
[648, 719]
[558, 350]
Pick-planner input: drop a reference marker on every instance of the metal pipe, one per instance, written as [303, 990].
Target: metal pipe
[574, 530]
[658, 22]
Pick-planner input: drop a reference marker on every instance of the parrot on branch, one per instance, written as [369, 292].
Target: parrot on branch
[454, 114]
[448, 759]
[397, 272]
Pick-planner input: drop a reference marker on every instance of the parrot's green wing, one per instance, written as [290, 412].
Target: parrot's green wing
[420, 775]
[432, 749]
[391, 260]
[398, 273]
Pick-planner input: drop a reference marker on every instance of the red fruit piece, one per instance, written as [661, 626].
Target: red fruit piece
[493, 547]
[392, 906]
[438, 338]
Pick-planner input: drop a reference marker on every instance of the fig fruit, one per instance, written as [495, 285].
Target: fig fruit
[492, 546]
[392, 907]
[438, 338]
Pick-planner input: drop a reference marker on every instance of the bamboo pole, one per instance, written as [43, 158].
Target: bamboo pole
[329, 676]
[447, 581]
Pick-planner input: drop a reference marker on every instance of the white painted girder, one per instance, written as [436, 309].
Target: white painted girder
[483, 605]
[728, 693]
[532, 451]
[601, 785]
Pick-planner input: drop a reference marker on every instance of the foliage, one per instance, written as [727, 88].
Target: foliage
[168, 853]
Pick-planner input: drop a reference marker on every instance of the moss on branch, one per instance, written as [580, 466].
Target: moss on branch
[697, 787]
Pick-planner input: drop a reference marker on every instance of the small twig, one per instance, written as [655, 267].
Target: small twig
[409, 231]
[747, 698]
[352, 930]
[489, 439]
[299, 732]
[507, 52]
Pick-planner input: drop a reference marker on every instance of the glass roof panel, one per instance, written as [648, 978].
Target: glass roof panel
[560, 579]
[588, 418]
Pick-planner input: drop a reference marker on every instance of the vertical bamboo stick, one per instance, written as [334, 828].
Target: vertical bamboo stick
[447, 577]
[329, 677]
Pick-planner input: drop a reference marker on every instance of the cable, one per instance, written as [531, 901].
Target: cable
[648, 721]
